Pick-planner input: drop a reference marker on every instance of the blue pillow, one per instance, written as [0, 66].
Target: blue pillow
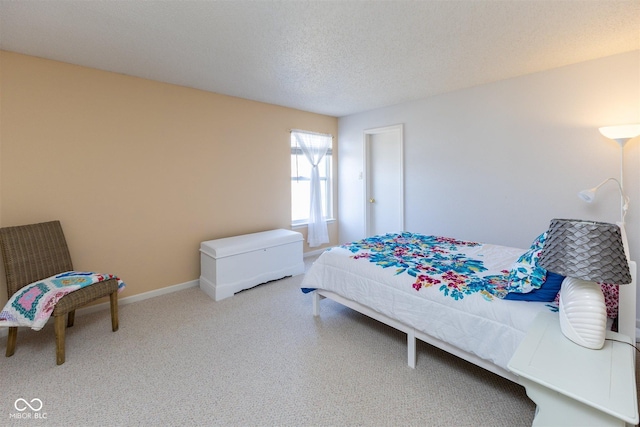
[546, 293]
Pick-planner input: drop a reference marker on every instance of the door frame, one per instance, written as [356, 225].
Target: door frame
[399, 128]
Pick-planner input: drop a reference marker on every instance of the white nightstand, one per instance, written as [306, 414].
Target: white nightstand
[572, 385]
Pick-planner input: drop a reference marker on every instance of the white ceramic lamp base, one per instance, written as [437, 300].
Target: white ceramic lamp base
[583, 314]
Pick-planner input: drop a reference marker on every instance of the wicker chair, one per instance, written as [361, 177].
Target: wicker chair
[37, 251]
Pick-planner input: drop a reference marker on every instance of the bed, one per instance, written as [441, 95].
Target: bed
[463, 297]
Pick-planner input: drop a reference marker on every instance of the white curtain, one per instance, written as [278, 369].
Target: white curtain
[314, 147]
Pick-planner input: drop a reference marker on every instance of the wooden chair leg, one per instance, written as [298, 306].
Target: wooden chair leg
[11, 341]
[113, 297]
[59, 329]
[71, 317]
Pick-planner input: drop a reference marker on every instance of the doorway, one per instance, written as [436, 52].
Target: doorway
[384, 180]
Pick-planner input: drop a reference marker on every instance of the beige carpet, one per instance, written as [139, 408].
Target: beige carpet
[259, 358]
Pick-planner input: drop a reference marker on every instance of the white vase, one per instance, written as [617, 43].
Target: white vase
[583, 313]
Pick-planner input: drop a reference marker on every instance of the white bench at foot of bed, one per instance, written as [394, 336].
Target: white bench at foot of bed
[232, 264]
[412, 334]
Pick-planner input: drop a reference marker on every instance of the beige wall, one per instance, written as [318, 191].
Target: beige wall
[140, 172]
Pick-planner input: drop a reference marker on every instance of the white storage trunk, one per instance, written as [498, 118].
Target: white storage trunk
[232, 264]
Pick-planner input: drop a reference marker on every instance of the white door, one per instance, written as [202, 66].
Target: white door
[384, 212]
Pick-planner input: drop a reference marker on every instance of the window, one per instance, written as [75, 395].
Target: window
[301, 178]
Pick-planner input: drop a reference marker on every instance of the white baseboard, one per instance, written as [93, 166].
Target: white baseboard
[139, 297]
[314, 253]
[127, 300]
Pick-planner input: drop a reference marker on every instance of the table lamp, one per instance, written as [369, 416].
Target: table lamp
[585, 252]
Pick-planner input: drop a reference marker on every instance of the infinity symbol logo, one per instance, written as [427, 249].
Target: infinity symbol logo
[20, 404]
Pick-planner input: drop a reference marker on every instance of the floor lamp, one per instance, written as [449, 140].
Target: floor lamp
[620, 134]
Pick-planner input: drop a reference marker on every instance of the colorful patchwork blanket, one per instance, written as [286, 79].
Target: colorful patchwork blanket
[32, 305]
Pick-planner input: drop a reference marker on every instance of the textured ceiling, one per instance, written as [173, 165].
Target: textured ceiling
[334, 58]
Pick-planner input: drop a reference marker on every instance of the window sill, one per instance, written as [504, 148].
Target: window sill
[306, 224]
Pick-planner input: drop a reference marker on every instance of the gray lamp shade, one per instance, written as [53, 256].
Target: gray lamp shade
[585, 250]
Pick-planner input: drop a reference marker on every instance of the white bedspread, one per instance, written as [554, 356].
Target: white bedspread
[488, 327]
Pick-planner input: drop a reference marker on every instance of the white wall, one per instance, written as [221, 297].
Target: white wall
[495, 163]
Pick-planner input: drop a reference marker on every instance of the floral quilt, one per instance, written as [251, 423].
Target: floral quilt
[33, 305]
[433, 261]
